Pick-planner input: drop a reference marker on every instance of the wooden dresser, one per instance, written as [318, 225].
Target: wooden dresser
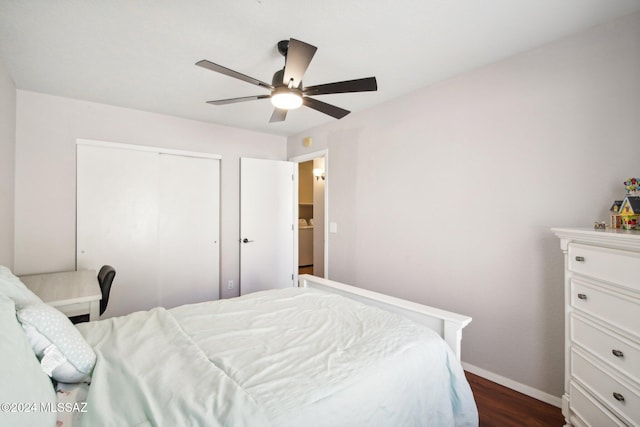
[602, 327]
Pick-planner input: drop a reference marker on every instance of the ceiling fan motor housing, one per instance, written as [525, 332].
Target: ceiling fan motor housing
[278, 79]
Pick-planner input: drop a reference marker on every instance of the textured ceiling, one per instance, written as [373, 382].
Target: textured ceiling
[141, 53]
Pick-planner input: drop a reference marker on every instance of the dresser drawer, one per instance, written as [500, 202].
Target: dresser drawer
[612, 348]
[623, 397]
[590, 412]
[620, 311]
[621, 267]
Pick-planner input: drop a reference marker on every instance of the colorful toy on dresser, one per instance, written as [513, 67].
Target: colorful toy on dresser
[625, 213]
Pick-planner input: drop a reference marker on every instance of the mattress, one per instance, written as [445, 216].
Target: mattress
[286, 357]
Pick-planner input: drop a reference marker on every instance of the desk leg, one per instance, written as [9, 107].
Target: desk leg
[94, 310]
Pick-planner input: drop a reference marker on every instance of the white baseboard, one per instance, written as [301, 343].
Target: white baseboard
[514, 385]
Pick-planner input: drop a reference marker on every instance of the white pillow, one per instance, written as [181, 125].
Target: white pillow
[23, 382]
[12, 287]
[63, 352]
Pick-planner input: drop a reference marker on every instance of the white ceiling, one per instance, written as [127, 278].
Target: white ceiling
[141, 53]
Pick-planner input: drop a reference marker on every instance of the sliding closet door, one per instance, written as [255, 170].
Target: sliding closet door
[154, 216]
[188, 230]
[117, 222]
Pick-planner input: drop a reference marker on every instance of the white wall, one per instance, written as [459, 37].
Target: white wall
[446, 196]
[7, 164]
[47, 129]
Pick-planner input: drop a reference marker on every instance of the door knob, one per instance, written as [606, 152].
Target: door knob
[245, 240]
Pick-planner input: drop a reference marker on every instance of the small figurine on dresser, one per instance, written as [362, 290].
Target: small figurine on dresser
[630, 211]
[616, 218]
[630, 207]
[625, 213]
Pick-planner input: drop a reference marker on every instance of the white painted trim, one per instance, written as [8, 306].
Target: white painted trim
[304, 158]
[514, 385]
[147, 148]
[309, 156]
[294, 225]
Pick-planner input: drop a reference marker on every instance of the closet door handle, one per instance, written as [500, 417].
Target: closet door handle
[245, 240]
[618, 397]
[617, 353]
[580, 258]
[582, 296]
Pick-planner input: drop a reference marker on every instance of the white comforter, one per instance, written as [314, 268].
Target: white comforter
[293, 357]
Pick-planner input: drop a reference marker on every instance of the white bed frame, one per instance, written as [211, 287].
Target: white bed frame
[447, 324]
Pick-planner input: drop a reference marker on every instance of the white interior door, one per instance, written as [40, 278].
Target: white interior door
[267, 243]
[188, 228]
[117, 222]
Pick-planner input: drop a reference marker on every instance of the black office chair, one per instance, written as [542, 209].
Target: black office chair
[105, 279]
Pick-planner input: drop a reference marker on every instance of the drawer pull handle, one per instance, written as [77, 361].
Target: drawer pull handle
[618, 397]
[580, 258]
[617, 353]
[582, 296]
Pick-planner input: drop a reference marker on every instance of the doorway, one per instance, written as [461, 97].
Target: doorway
[312, 209]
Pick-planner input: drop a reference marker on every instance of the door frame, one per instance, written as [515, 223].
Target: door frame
[305, 158]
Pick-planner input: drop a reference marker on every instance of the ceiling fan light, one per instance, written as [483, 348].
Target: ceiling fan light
[286, 99]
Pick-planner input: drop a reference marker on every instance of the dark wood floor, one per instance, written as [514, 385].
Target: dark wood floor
[500, 406]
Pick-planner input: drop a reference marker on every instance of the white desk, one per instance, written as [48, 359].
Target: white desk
[72, 292]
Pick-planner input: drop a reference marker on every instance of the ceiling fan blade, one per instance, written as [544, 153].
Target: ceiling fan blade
[278, 115]
[323, 107]
[358, 85]
[241, 99]
[299, 55]
[228, 72]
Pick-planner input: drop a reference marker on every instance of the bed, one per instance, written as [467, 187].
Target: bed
[322, 354]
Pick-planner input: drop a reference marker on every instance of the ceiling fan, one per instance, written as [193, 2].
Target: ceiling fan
[287, 91]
